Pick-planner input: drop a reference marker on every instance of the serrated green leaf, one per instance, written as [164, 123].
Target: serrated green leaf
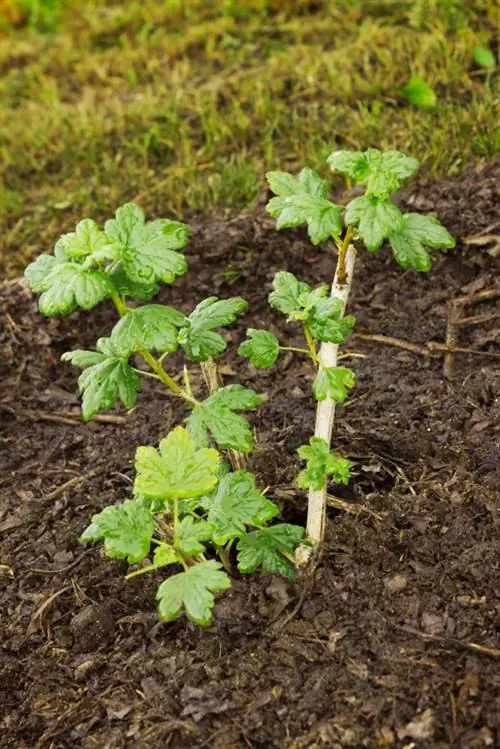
[321, 463]
[150, 251]
[376, 218]
[142, 292]
[235, 504]
[154, 326]
[352, 163]
[190, 533]
[197, 337]
[304, 200]
[419, 93]
[261, 347]
[37, 272]
[287, 292]
[217, 415]
[326, 322]
[178, 470]
[333, 382]
[68, 286]
[192, 591]
[126, 529]
[416, 233]
[164, 555]
[106, 377]
[382, 172]
[484, 56]
[263, 548]
[87, 239]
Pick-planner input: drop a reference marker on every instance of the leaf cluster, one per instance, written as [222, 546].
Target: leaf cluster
[185, 507]
[303, 200]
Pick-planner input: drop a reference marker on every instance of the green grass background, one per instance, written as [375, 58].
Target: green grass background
[183, 105]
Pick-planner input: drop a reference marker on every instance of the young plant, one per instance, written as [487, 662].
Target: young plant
[371, 219]
[188, 509]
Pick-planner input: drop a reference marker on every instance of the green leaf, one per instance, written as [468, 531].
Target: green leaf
[235, 504]
[217, 415]
[352, 163]
[106, 377]
[125, 287]
[192, 591]
[321, 463]
[164, 555]
[419, 93]
[178, 470]
[304, 200]
[126, 529]
[87, 239]
[326, 322]
[382, 172]
[153, 326]
[190, 533]
[333, 382]
[376, 218]
[36, 273]
[197, 337]
[288, 291]
[484, 57]
[261, 347]
[263, 548]
[68, 286]
[416, 233]
[149, 250]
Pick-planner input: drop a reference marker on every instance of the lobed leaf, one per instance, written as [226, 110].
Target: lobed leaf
[126, 530]
[217, 415]
[415, 234]
[321, 464]
[192, 590]
[66, 286]
[264, 547]
[107, 376]
[149, 251]
[87, 239]
[190, 534]
[287, 292]
[261, 347]
[376, 219]
[304, 200]
[197, 336]
[153, 326]
[334, 383]
[382, 172]
[235, 504]
[178, 470]
[326, 322]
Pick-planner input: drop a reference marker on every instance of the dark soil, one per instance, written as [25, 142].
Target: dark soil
[389, 643]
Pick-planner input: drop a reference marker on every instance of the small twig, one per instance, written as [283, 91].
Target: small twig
[431, 348]
[36, 619]
[57, 570]
[454, 311]
[63, 418]
[349, 507]
[72, 482]
[452, 641]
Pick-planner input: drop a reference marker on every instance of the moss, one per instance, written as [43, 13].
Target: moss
[183, 106]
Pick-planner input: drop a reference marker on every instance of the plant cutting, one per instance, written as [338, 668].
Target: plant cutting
[370, 219]
[188, 508]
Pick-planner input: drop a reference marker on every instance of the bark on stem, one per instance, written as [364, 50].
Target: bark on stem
[325, 414]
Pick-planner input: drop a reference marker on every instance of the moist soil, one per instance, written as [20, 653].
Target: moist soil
[392, 639]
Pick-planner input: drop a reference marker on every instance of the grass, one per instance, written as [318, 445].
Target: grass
[183, 105]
